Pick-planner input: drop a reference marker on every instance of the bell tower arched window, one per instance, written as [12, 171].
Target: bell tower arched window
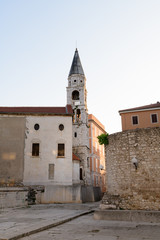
[78, 114]
[75, 95]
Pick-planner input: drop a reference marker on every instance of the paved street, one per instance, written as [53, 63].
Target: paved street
[86, 228]
[18, 222]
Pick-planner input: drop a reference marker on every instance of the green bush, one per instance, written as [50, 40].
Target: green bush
[103, 139]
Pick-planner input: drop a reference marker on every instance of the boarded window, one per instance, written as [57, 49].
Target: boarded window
[35, 149]
[51, 171]
[61, 149]
[134, 120]
[154, 118]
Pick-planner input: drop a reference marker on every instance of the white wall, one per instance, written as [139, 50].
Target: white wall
[76, 171]
[36, 169]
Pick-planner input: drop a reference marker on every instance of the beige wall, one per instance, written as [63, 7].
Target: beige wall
[138, 189]
[11, 150]
[144, 118]
[97, 155]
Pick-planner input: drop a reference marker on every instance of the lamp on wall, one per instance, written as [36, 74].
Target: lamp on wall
[135, 162]
[101, 167]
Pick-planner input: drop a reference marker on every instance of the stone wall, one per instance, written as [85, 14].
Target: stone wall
[60, 194]
[128, 187]
[13, 197]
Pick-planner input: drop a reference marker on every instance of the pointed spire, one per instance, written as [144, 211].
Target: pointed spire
[76, 67]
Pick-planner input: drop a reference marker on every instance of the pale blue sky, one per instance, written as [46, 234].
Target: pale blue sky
[118, 43]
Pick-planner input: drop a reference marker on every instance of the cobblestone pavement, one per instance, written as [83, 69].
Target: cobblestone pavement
[86, 228]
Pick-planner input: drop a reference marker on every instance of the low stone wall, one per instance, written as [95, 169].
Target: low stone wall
[135, 187]
[128, 215]
[13, 197]
[90, 194]
[59, 194]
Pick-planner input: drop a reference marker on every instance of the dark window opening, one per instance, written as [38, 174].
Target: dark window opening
[74, 80]
[36, 126]
[35, 149]
[73, 117]
[78, 114]
[81, 174]
[135, 120]
[61, 149]
[154, 118]
[61, 127]
[75, 95]
[75, 134]
[88, 162]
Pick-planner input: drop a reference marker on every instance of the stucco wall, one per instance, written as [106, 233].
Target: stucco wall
[137, 189]
[48, 136]
[76, 171]
[61, 194]
[11, 150]
[144, 119]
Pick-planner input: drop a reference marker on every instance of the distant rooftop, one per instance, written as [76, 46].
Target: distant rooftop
[76, 67]
[37, 110]
[142, 108]
[75, 157]
[91, 117]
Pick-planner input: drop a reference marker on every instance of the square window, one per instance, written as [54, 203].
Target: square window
[154, 118]
[35, 149]
[61, 149]
[134, 120]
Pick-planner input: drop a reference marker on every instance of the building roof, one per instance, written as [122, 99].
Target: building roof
[75, 157]
[76, 67]
[142, 108]
[92, 118]
[37, 110]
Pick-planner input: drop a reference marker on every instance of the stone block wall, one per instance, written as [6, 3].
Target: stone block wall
[134, 188]
[13, 197]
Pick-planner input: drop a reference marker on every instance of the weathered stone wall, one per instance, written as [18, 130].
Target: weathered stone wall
[13, 197]
[134, 188]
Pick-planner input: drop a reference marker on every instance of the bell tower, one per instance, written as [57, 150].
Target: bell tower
[77, 98]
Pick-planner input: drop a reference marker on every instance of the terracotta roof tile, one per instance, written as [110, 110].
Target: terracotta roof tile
[146, 107]
[75, 157]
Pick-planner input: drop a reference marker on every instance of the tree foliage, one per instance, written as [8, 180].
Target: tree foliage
[103, 139]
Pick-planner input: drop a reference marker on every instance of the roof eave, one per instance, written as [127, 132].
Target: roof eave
[138, 110]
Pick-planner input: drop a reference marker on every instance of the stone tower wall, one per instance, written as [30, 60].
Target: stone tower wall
[134, 188]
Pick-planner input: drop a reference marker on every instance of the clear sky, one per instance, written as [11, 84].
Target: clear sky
[118, 43]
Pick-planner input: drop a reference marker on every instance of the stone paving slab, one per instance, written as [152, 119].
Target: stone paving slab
[87, 228]
[28, 222]
[18, 222]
